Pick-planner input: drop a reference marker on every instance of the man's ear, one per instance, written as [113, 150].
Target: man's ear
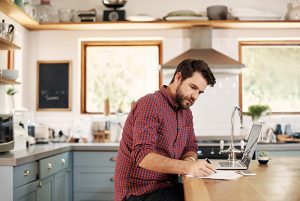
[178, 76]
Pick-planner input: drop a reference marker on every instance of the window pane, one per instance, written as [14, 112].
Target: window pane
[121, 73]
[272, 77]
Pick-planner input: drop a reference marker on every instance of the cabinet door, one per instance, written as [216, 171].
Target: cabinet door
[26, 192]
[45, 191]
[93, 175]
[93, 179]
[63, 185]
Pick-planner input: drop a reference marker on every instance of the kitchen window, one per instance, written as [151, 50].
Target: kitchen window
[271, 76]
[120, 71]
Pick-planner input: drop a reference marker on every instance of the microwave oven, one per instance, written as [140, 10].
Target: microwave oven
[6, 132]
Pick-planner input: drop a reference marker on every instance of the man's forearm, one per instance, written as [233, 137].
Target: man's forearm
[162, 164]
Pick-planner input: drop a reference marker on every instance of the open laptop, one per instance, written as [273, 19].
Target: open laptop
[244, 163]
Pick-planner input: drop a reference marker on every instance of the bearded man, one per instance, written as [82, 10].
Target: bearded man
[158, 141]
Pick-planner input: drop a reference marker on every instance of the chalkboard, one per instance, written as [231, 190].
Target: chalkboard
[54, 85]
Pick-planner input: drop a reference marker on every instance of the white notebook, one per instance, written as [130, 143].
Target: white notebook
[222, 174]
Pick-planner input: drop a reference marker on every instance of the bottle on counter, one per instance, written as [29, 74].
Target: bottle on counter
[106, 107]
[288, 129]
[31, 124]
[278, 129]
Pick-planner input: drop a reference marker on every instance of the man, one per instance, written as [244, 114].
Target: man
[158, 141]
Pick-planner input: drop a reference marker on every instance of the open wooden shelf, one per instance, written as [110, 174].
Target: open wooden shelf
[16, 13]
[13, 11]
[7, 81]
[125, 25]
[6, 45]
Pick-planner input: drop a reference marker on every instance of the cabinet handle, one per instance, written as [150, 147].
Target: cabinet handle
[68, 170]
[26, 173]
[40, 184]
[63, 161]
[112, 179]
[49, 165]
[113, 158]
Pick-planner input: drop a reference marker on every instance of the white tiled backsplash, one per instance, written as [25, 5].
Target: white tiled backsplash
[212, 111]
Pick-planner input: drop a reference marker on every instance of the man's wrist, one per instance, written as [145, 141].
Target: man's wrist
[191, 158]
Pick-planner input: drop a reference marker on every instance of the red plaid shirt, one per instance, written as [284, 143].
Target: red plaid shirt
[154, 125]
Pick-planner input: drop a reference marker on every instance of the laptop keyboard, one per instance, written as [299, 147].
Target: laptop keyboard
[230, 164]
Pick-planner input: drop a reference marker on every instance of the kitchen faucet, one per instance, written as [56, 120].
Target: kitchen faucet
[232, 150]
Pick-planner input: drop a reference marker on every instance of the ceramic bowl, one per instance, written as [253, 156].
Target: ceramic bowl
[217, 12]
[10, 74]
[263, 160]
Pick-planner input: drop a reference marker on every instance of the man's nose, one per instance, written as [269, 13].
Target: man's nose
[195, 95]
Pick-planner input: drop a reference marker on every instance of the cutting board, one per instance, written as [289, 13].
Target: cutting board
[287, 139]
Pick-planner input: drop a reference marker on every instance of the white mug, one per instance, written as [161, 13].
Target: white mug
[31, 11]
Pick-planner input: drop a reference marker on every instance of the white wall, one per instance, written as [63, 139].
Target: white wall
[64, 45]
[213, 110]
[226, 41]
[211, 113]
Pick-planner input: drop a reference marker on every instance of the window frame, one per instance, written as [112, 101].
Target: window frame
[264, 43]
[85, 44]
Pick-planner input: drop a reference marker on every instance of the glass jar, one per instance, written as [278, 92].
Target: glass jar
[46, 12]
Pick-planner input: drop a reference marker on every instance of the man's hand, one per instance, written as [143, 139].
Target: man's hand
[201, 168]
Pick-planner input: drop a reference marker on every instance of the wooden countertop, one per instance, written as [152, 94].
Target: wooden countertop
[279, 180]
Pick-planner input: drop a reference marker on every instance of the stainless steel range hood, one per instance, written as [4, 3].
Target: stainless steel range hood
[201, 48]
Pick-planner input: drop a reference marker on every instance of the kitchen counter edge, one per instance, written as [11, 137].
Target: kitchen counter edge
[36, 152]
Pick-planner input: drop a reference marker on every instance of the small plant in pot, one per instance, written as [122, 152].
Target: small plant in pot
[263, 157]
[256, 111]
[11, 91]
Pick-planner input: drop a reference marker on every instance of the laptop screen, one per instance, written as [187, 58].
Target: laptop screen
[251, 144]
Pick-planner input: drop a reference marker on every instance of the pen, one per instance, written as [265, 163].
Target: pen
[206, 159]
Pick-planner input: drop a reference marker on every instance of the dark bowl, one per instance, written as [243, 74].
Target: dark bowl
[263, 160]
[114, 3]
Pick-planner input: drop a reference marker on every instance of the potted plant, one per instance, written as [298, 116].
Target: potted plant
[263, 157]
[11, 91]
[256, 111]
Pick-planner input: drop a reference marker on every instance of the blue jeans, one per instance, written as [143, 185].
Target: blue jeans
[165, 194]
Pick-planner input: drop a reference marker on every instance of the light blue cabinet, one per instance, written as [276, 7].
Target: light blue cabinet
[49, 179]
[39, 190]
[45, 191]
[93, 175]
[26, 192]
[63, 185]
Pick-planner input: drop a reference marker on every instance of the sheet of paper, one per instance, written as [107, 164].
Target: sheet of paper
[222, 174]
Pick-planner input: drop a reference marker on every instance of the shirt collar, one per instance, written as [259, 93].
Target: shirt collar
[168, 98]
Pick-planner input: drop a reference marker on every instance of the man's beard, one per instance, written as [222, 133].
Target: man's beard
[180, 98]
